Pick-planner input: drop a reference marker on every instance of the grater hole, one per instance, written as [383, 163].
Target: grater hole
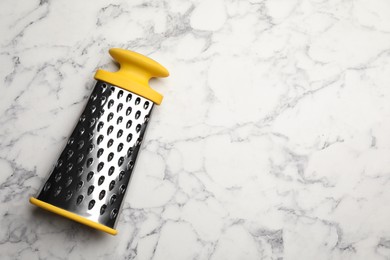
[129, 151]
[114, 213]
[89, 176]
[93, 97]
[90, 136]
[100, 152]
[92, 122]
[128, 124]
[80, 199]
[128, 98]
[79, 185]
[90, 190]
[57, 191]
[122, 189]
[110, 129]
[120, 94]
[101, 180]
[112, 89]
[119, 108]
[120, 119]
[109, 143]
[80, 144]
[100, 166]
[110, 103]
[121, 175]
[130, 165]
[68, 195]
[80, 158]
[82, 119]
[139, 140]
[104, 87]
[69, 167]
[90, 148]
[103, 100]
[80, 171]
[120, 161]
[137, 114]
[120, 133]
[103, 209]
[110, 116]
[69, 154]
[70, 141]
[89, 162]
[100, 126]
[120, 147]
[137, 101]
[47, 186]
[68, 181]
[111, 170]
[129, 137]
[138, 128]
[113, 199]
[99, 139]
[59, 163]
[92, 109]
[101, 113]
[146, 105]
[81, 131]
[110, 156]
[57, 177]
[146, 119]
[128, 111]
[91, 204]
[112, 185]
[102, 194]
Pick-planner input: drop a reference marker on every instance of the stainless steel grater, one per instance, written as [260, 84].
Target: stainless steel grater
[91, 176]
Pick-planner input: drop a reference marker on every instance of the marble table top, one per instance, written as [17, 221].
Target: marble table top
[272, 141]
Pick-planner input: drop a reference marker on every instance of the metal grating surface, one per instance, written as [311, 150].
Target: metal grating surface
[93, 172]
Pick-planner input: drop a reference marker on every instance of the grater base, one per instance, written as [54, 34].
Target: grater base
[72, 216]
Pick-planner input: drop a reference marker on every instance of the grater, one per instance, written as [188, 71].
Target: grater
[91, 176]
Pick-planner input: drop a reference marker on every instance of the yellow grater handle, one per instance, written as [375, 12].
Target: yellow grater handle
[134, 74]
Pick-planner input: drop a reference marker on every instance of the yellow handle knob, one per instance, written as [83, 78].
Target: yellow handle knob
[134, 73]
[135, 65]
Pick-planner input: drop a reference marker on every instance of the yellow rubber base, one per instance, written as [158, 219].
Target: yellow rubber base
[72, 216]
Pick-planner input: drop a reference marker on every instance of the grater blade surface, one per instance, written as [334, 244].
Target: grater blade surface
[93, 171]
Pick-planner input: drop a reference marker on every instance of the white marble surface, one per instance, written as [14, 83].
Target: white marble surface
[272, 142]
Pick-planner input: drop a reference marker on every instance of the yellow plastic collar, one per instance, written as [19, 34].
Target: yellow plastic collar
[134, 74]
[72, 216]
